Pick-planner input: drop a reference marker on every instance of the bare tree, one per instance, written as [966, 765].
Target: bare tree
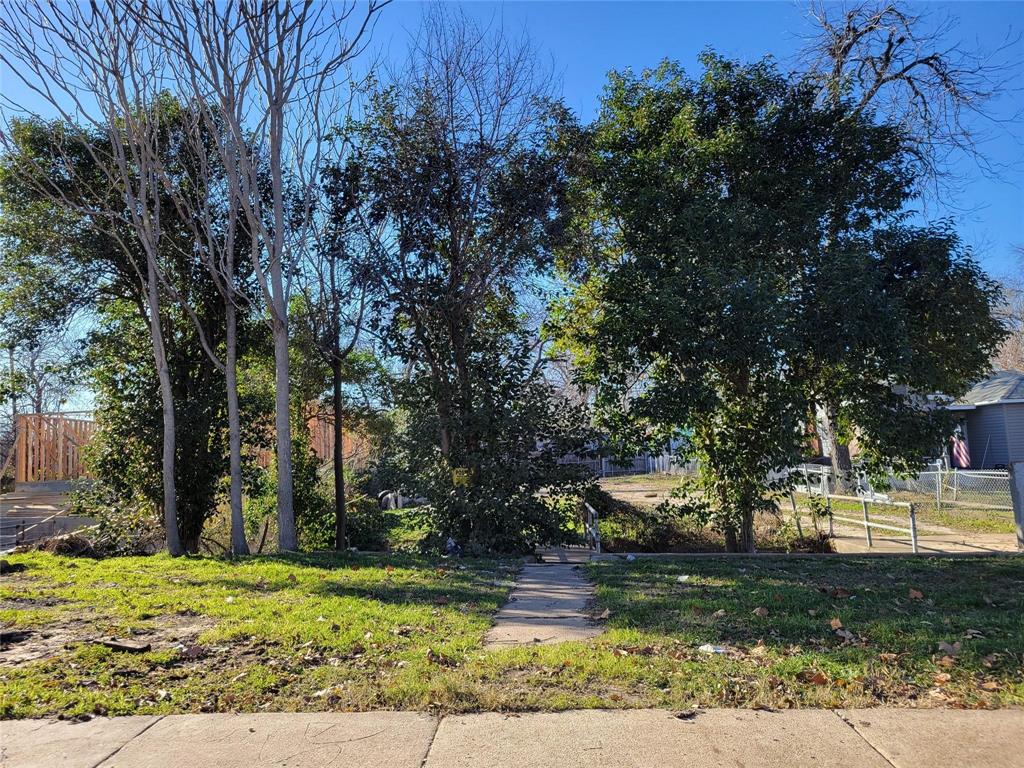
[273, 72]
[908, 67]
[213, 213]
[1011, 313]
[95, 69]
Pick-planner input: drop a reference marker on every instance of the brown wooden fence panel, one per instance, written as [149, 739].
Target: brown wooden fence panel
[49, 447]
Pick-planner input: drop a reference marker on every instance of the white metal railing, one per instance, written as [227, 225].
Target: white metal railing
[591, 528]
[865, 502]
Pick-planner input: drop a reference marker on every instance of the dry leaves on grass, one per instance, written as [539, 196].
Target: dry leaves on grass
[812, 677]
[760, 611]
[435, 657]
[915, 594]
[836, 623]
[950, 650]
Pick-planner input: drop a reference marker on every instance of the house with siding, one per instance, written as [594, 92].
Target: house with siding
[991, 423]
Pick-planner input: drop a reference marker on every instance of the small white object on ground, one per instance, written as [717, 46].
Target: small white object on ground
[630, 558]
[683, 579]
[708, 648]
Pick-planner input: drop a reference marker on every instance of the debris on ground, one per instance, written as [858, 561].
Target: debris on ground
[708, 648]
[127, 646]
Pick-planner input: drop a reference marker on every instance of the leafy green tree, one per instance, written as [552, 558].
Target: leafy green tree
[735, 214]
[464, 193]
[79, 269]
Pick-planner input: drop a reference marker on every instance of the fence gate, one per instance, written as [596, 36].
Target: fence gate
[49, 446]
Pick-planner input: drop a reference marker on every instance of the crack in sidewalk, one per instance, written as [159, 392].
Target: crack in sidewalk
[128, 741]
[865, 739]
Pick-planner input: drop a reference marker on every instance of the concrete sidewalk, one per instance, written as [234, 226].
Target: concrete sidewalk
[882, 738]
[548, 605]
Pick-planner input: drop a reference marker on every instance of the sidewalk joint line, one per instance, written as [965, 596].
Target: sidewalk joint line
[433, 736]
[864, 738]
[129, 741]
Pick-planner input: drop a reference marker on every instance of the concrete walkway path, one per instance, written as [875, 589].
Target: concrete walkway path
[548, 605]
[874, 738]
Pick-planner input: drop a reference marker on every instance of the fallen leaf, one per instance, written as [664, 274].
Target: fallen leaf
[686, 714]
[951, 650]
[839, 592]
[719, 613]
[836, 624]
[915, 594]
[813, 677]
[947, 661]
[760, 611]
[605, 614]
[888, 657]
[990, 685]
[942, 677]
[191, 651]
[291, 578]
[846, 634]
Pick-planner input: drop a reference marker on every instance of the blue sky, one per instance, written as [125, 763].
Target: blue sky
[588, 39]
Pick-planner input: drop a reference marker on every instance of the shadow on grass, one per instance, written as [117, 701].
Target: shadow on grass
[903, 606]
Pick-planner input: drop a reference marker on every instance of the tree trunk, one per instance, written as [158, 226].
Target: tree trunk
[839, 453]
[339, 455]
[287, 540]
[731, 541]
[239, 546]
[174, 546]
[747, 532]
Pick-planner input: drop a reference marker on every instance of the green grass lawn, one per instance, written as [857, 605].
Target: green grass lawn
[324, 632]
[278, 633]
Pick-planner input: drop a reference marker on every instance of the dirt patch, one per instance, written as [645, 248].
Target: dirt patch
[27, 603]
[19, 646]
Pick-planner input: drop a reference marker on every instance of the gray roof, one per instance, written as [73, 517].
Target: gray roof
[997, 388]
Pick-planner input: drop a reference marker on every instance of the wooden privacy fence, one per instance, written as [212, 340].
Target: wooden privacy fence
[355, 447]
[49, 446]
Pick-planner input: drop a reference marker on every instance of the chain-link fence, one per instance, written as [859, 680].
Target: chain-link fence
[982, 489]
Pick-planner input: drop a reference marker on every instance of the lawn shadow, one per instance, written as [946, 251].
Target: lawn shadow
[895, 605]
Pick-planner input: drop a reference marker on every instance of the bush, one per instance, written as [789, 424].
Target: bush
[125, 526]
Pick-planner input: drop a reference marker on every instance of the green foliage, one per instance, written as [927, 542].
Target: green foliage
[126, 525]
[66, 260]
[747, 263]
[124, 455]
[521, 429]
[468, 194]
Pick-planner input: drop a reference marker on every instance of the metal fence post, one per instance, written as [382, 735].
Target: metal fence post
[913, 528]
[796, 515]
[938, 488]
[1017, 496]
[828, 505]
[867, 527]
